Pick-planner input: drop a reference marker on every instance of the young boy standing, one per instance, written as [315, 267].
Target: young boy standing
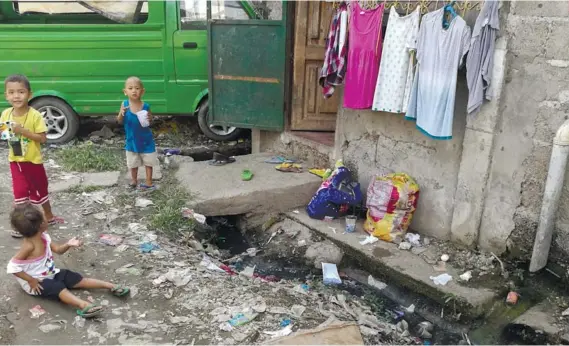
[29, 180]
[35, 268]
[139, 145]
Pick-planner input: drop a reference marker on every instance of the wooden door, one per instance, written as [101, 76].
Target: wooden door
[310, 110]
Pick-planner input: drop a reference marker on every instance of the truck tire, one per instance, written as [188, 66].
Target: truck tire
[61, 120]
[217, 133]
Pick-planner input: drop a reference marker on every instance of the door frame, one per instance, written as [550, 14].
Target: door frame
[287, 21]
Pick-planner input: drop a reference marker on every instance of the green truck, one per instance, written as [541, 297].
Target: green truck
[78, 55]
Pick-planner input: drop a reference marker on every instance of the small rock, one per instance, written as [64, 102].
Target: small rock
[46, 328]
[445, 258]
[466, 276]
[366, 331]
[404, 245]
[297, 310]
[324, 252]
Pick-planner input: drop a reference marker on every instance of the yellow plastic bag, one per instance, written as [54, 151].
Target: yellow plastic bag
[391, 202]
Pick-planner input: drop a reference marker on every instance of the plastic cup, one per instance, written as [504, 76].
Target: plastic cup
[351, 223]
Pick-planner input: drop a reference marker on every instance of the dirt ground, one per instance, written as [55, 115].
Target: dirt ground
[179, 293]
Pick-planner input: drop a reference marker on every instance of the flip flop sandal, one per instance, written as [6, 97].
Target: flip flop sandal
[279, 159]
[145, 187]
[289, 168]
[120, 291]
[90, 311]
[56, 221]
[319, 172]
[16, 235]
[246, 175]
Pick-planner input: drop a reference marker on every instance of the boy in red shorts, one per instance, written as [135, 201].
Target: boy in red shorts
[29, 180]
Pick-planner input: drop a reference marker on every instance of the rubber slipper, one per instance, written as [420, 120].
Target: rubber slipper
[16, 235]
[246, 175]
[289, 168]
[279, 159]
[120, 291]
[88, 311]
[56, 221]
[319, 172]
[145, 187]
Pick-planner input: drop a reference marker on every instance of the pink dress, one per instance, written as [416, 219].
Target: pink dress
[364, 53]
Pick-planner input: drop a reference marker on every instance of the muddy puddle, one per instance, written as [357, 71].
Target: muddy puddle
[229, 239]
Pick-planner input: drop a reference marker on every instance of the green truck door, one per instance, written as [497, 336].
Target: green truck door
[247, 68]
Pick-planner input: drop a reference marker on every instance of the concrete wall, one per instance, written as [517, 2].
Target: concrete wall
[372, 143]
[484, 187]
[535, 103]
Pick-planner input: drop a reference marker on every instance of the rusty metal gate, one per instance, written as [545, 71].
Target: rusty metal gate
[247, 60]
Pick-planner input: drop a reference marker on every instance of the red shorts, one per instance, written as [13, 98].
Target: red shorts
[29, 182]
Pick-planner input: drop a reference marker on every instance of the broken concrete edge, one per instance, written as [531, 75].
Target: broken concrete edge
[87, 180]
[376, 267]
[540, 325]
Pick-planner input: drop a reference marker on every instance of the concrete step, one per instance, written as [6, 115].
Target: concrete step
[400, 267]
[219, 190]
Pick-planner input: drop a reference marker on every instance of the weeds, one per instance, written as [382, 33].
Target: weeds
[89, 158]
[169, 200]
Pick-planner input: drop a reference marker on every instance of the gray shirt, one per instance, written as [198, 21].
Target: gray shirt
[440, 52]
[480, 59]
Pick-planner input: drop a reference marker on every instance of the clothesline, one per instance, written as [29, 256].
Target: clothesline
[406, 7]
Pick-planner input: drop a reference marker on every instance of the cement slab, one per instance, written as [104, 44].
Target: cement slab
[400, 267]
[543, 321]
[101, 179]
[219, 190]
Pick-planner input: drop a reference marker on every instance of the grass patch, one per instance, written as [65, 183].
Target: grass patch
[169, 199]
[89, 158]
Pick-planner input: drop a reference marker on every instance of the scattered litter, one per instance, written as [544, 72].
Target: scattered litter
[297, 310]
[180, 319]
[99, 197]
[425, 329]
[441, 280]
[565, 312]
[143, 202]
[248, 271]
[287, 321]
[46, 328]
[367, 331]
[466, 276]
[208, 263]
[370, 239]
[128, 269]
[413, 238]
[330, 273]
[121, 248]
[252, 252]
[512, 298]
[301, 242]
[110, 239]
[376, 283]
[426, 241]
[148, 247]
[226, 327]
[445, 258]
[333, 229]
[296, 211]
[78, 322]
[133, 291]
[136, 227]
[242, 318]
[37, 311]
[180, 277]
[502, 267]
[410, 309]
[169, 294]
[405, 245]
[280, 333]
[402, 327]
[192, 215]
[260, 306]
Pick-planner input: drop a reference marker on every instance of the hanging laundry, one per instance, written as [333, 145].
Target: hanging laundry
[363, 55]
[396, 70]
[440, 52]
[480, 59]
[334, 68]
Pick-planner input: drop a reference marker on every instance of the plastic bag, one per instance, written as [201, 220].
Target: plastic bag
[335, 195]
[391, 202]
[330, 274]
